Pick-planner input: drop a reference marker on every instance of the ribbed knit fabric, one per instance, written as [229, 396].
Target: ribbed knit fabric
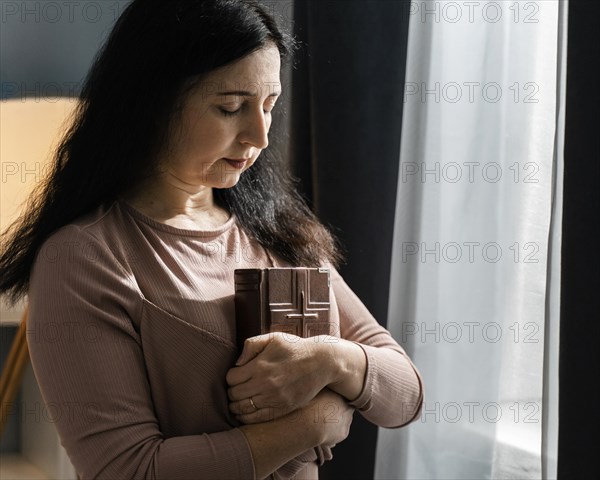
[131, 331]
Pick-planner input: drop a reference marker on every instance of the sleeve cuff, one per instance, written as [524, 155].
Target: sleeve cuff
[363, 402]
[392, 393]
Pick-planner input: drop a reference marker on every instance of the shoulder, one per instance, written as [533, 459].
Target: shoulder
[89, 248]
[77, 267]
[98, 235]
[76, 280]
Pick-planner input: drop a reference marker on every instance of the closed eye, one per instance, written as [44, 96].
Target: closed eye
[229, 113]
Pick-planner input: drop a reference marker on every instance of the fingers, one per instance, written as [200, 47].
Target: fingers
[252, 347]
[245, 411]
[243, 371]
[279, 341]
[243, 407]
[266, 354]
[237, 375]
[241, 392]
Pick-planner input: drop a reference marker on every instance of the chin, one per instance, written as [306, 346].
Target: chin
[228, 183]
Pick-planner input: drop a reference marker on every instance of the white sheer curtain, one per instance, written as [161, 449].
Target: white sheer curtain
[475, 274]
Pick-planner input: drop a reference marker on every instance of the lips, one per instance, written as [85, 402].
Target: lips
[236, 163]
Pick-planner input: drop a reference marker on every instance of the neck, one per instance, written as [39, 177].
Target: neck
[169, 200]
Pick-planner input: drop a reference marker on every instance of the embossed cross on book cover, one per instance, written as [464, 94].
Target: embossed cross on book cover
[293, 300]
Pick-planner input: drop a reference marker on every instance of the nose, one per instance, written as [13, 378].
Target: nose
[255, 129]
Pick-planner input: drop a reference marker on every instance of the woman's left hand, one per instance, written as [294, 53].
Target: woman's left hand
[276, 374]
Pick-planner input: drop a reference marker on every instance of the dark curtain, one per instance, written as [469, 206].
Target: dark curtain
[579, 365]
[346, 117]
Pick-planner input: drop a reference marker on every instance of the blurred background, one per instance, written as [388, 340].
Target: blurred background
[453, 148]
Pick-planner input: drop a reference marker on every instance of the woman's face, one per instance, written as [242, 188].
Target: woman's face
[226, 117]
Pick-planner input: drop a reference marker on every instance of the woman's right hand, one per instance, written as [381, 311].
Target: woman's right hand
[330, 415]
[324, 421]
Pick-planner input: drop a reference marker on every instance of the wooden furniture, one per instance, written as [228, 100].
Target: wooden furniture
[12, 372]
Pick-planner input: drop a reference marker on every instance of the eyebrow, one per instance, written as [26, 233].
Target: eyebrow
[244, 93]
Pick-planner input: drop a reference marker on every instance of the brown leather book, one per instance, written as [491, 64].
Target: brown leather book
[292, 300]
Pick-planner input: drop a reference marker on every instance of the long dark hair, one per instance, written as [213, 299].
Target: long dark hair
[122, 122]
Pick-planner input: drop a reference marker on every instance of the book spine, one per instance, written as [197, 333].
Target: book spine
[249, 302]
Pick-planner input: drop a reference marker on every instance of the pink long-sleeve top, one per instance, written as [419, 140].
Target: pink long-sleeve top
[131, 332]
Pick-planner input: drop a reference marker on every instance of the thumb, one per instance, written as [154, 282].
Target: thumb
[252, 347]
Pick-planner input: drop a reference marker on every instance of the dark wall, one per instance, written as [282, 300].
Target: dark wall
[347, 106]
[46, 48]
[579, 364]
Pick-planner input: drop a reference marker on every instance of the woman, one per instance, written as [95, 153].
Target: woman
[162, 187]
